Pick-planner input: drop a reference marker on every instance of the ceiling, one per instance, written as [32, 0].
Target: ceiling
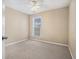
[25, 5]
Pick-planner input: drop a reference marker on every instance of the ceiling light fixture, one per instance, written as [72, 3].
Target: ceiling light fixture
[35, 5]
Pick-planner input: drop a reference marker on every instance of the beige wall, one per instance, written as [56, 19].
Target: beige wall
[72, 29]
[54, 26]
[16, 25]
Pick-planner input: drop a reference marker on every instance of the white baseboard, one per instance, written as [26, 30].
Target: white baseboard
[71, 53]
[52, 42]
[37, 40]
[12, 43]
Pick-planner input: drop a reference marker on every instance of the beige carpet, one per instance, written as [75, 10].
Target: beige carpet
[36, 50]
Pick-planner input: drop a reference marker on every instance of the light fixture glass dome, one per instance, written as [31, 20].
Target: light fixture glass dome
[35, 5]
[35, 8]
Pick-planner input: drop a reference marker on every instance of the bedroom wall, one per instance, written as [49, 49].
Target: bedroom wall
[54, 25]
[16, 25]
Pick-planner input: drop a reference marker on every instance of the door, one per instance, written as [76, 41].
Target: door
[3, 31]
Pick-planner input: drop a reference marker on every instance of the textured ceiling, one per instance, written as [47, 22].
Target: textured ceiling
[25, 5]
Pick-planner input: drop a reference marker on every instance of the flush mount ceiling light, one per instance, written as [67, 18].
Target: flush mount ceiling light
[36, 4]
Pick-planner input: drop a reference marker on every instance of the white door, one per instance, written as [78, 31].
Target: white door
[3, 31]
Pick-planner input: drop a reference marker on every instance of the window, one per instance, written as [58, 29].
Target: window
[36, 26]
